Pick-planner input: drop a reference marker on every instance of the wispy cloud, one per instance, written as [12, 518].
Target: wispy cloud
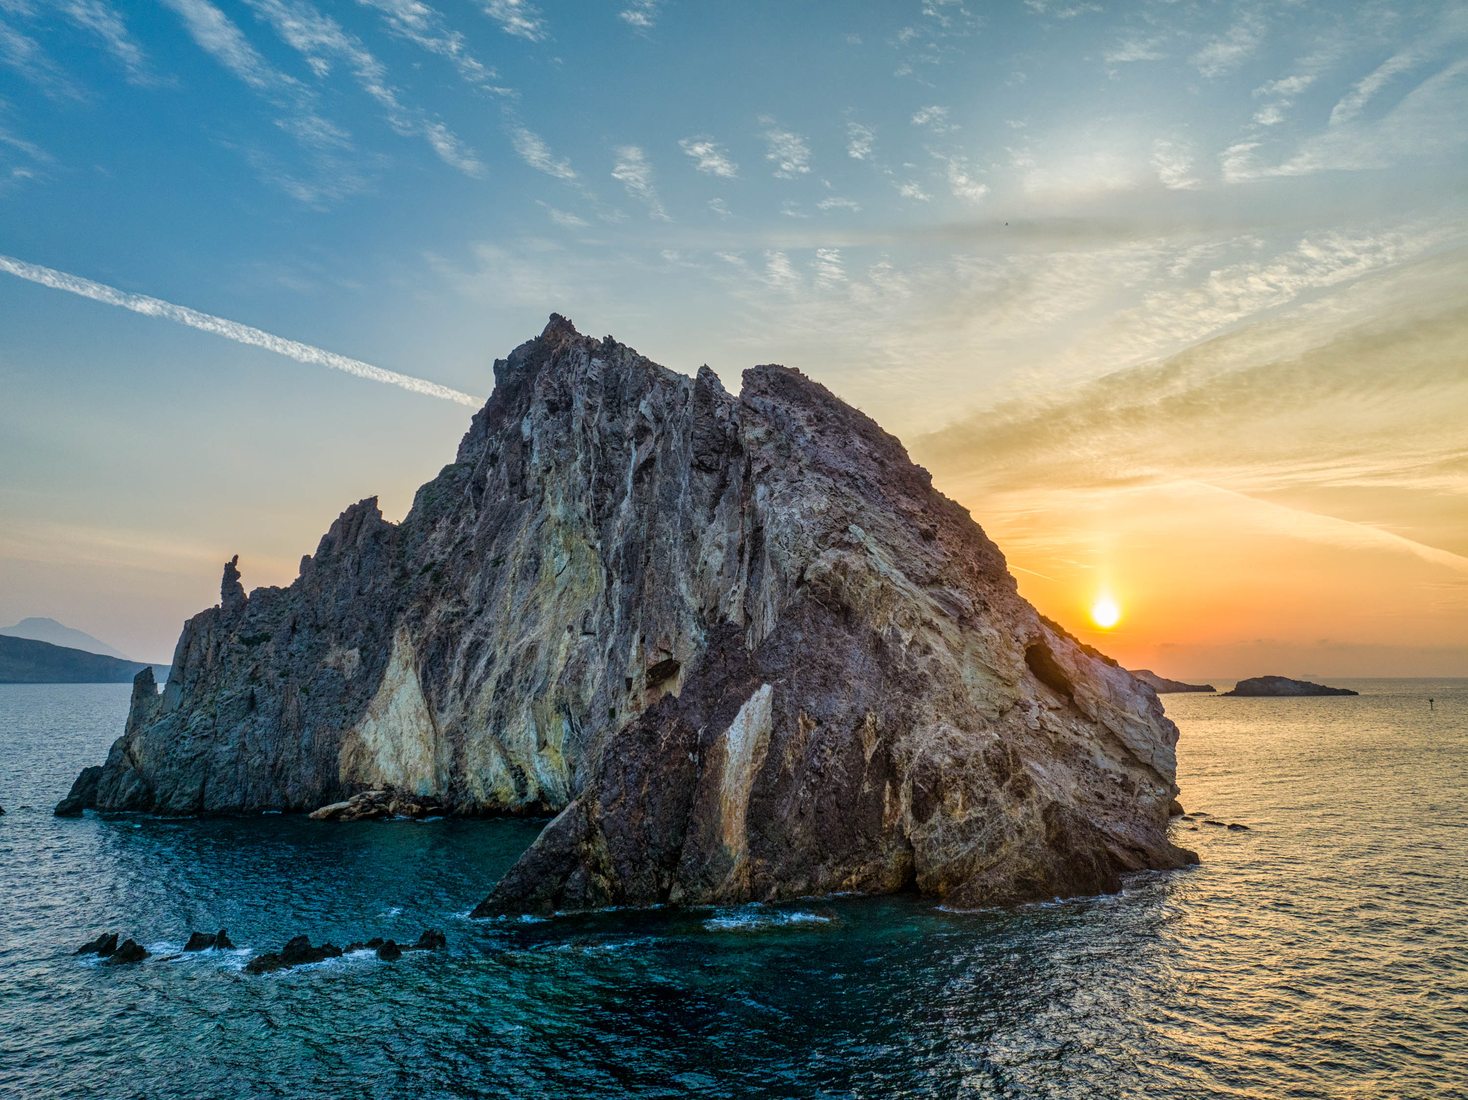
[323, 42]
[934, 118]
[106, 23]
[230, 330]
[859, 140]
[633, 172]
[1353, 102]
[23, 54]
[534, 152]
[962, 181]
[641, 14]
[564, 218]
[1232, 48]
[785, 149]
[416, 22]
[1062, 9]
[517, 17]
[709, 156]
[218, 36]
[1173, 161]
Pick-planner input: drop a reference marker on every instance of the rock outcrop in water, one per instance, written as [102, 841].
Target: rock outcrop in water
[1281, 686]
[739, 642]
[1163, 686]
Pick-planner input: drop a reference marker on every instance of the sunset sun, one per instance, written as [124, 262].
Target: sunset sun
[1105, 613]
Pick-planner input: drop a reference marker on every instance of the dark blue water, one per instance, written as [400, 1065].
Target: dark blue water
[1324, 953]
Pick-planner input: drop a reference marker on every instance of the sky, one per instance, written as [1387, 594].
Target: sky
[1172, 295]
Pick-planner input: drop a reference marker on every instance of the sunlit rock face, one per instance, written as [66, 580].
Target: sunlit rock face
[739, 642]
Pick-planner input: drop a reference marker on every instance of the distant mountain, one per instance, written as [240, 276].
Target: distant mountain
[1161, 684]
[26, 661]
[54, 633]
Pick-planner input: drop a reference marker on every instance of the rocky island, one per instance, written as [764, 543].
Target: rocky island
[1163, 686]
[738, 643]
[1280, 686]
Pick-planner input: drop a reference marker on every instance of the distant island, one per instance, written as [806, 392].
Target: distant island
[1162, 685]
[1277, 686]
[27, 661]
[40, 629]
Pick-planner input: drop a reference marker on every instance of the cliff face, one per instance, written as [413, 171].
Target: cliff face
[738, 641]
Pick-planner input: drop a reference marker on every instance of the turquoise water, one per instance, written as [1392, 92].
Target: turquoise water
[1324, 953]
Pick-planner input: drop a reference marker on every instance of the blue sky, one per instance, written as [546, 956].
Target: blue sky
[937, 208]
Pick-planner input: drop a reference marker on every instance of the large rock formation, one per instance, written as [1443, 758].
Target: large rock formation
[1274, 687]
[739, 642]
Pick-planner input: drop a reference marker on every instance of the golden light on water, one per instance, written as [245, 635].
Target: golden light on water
[1105, 612]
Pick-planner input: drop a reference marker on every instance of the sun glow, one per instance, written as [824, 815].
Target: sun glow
[1105, 613]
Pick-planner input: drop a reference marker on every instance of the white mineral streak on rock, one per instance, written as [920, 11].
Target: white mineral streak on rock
[745, 743]
[396, 743]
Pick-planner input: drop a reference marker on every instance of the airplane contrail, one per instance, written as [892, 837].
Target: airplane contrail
[230, 330]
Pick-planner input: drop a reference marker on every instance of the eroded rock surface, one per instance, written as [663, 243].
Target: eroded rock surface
[738, 641]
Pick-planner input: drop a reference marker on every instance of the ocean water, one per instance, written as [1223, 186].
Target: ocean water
[1322, 953]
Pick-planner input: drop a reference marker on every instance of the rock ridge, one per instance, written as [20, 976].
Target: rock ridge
[739, 645]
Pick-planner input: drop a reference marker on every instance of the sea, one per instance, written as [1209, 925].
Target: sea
[1322, 952]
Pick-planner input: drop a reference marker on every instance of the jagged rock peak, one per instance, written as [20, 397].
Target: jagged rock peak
[738, 643]
[231, 592]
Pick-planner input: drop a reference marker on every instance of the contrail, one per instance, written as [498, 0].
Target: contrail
[230, 330]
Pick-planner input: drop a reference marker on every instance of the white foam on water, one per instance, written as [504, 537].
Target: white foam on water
[753, 918]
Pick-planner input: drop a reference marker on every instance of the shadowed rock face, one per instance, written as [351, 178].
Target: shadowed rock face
[739, 642]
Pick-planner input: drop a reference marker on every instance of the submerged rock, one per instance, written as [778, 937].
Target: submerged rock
[390, 952]
[739, 642]
[1273, 686]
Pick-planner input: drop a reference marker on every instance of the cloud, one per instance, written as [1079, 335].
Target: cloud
[1342, 436]
[1361, 93]
[633, 172]
[564, 218]
[837, 202]
[641, 14]
[534, 152]
[516, 17]
[779, 272]
[934, 118]
[1130, 50]
[1173, 161]
[25, 56]
[1231, 49]
[1423, 126]
[217, 36]
[829, 267]
[106, 23]
[961, 180]
[230, 330]
[323, 42]
[709, 157]
[720, 208]
[785, 149]
[913, 190]
[416, 22]
[1061, 10]
[859, 140]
